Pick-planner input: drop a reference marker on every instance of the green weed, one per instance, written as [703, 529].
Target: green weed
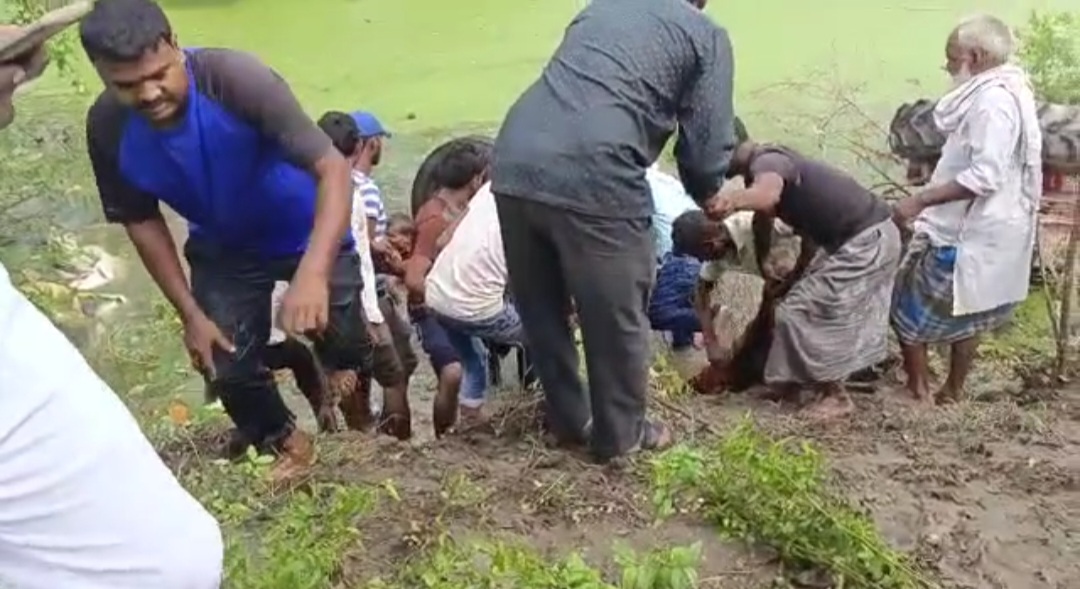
[510, 565]
[763, 491]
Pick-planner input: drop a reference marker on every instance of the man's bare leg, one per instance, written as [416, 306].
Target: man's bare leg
[445, 404]
[961, 357]
[833, 402]
[916, 368]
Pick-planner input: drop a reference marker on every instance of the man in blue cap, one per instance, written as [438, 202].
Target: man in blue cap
[368, 155]
[395, 346]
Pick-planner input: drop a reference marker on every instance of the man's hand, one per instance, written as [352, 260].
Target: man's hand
[715, 352]
[16, 73]
[905, 211]
[305, 309]
[201, 336]
[719, 206]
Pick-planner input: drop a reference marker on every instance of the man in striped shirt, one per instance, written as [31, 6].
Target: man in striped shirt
[394, 347]
[368, 156]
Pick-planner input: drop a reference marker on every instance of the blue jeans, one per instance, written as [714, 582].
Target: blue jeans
[467, 338]
[682, 323]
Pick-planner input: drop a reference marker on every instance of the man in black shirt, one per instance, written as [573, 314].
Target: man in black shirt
[574, 205]
[833, 317]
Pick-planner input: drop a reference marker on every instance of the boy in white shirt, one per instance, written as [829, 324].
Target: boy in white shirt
[466, 288]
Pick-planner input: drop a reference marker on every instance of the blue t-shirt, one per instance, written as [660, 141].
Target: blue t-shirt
[237, 166]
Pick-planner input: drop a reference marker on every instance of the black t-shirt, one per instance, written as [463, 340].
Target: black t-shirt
[819, 201]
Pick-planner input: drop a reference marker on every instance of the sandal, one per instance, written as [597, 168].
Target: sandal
[654, 436]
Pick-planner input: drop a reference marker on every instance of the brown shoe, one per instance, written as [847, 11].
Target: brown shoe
[296, 456]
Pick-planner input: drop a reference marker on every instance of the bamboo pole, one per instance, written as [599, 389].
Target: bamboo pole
[1067, 290]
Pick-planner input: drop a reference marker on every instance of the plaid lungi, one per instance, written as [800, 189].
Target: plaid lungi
[834, 320]
[922, 308]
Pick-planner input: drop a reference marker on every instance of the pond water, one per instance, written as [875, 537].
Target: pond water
[447, 62]
[430, 68]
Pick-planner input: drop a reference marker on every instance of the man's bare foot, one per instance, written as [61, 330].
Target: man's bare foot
[914, 395]
[296, 455]
[830, 407]
[398, 425]
[474, 420]
[946, 395]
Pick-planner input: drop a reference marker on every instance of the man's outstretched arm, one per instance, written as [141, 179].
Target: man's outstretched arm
[706, 136]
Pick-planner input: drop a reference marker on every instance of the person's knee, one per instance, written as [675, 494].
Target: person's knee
[451, 374]
[239, 376]
[409, 362]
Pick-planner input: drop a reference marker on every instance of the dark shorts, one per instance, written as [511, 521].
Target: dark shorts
[394, 360]
[434, 340]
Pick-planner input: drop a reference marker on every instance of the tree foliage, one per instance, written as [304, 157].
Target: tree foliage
[63, 48]
[1050, 51]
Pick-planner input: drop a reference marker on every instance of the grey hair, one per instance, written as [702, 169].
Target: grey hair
[987, 33]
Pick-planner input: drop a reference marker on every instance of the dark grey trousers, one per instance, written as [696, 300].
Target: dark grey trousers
[606, 266]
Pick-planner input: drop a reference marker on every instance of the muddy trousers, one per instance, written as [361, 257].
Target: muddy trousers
[606, 266]
[234, 291]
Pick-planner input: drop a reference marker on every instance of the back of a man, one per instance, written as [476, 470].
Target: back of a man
[574, 204]
[580, 116]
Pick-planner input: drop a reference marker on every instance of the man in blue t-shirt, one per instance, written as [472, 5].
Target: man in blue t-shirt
[219, 137]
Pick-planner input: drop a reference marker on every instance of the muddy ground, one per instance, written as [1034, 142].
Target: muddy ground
[986, 493]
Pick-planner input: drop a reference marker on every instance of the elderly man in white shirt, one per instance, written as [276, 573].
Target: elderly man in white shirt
[968, 264]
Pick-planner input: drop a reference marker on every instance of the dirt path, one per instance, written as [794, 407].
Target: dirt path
[986, 493]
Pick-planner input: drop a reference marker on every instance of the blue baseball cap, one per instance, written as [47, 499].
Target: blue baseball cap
[368, 125]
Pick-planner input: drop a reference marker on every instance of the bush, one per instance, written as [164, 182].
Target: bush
[1050, 51]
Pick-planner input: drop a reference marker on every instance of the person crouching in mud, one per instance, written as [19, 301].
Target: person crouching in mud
[832, 316]
[730, 330]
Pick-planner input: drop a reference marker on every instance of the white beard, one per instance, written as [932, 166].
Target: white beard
[961, 77]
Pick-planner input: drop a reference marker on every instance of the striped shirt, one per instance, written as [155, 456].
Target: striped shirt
[373, 204]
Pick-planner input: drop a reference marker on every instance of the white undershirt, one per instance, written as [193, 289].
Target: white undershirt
[468, 279]
[85, 501]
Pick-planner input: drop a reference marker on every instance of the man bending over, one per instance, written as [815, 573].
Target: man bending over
[220, 138]
[833, 309]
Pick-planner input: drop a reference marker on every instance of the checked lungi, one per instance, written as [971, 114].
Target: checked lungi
[922, 309]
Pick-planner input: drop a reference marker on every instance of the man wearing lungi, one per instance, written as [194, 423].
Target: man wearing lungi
[969, 262]
[832, 316]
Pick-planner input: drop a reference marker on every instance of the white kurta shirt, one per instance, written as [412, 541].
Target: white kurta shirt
[995, 233]
[85, 501]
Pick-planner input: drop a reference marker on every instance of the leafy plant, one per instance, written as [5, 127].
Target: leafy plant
[63, 48]
[672, 568]
[763, 491]
[1050, 51]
